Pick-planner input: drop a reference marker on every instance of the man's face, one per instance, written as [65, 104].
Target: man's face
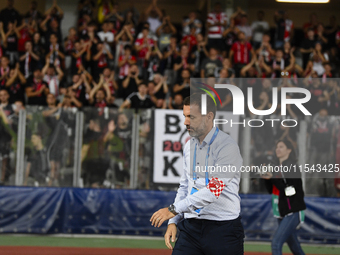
[10, 3]
[100, 95]
[4, 61]
[195, 123]
[28, 46]
[142, 89]
[184, 50]
[50, 99]
[107, 72]
[241, 36]
[4, 96]
[53, 39]
[36, 140]
[50, 71]
[122, 121]
[37, 74]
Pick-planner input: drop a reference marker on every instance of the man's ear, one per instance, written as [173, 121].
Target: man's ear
[210, 116]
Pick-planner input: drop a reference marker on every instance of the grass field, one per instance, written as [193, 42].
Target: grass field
[56, 245]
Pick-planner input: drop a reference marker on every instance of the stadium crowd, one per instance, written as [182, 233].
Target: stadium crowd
[140, 59]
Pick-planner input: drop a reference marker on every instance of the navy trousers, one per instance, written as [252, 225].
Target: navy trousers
[208, 237]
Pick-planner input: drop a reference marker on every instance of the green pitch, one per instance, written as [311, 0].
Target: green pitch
[53, 241]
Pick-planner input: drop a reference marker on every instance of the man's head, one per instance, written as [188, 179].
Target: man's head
[260, 15]
[107, 72]
[323, 113]
[142, 89]
[105, 26]
[50, 70]
[127, 50]
[4, 61]
[10, 3]
[37, 74]
[198, 125]
[36, 141]
[145, 31]
[310, 34]
[50, 100]
[100, 95]
[28, 45]
[122, 120]
[213, 52]
[34, 5]
[184, 50]
[4, 96]
[241, 36]
[218, 7]
[53, 39]
[185, 74]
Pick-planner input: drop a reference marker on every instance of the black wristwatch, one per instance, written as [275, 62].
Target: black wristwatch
[172, 208]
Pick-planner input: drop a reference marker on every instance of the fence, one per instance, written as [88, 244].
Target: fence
[102, 147]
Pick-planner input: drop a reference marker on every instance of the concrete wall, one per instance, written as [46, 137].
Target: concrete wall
[299, 13]
[23, 6]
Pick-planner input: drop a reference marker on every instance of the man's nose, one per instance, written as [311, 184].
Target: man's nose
[187, 121]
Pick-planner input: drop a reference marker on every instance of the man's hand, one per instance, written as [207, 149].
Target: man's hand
[170, 233]
[160, 216]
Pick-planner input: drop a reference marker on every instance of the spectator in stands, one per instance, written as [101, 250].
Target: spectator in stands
[245, 28]
[123, 38]
[184, 61]
[183, 84]
[33, 13]
[56, 52]
[36, 89]
[164, 33]
[199, 53]
[317, 59]
[284, 29]
[138, 100]
[15, 85]
[125, 62]
[9, 14]
[319, 94]
[51, 26]
[312, 24]
[26, 31]
[259, 28]
[154, 16]
[70, 41]
[265, 51]
[38, 165]
[4, 71]
[216, 23]
[190, 40]
[100, 94]
[101, 59]
[52, 75]
[170, 54]
[240, 53]
[157, 90]
[106, 36]
[320, 35]
[153, 58]
[190, 22]
[176, 103]
[115, 17]
[307, 47]
[142, 46]
[29, 60]
[211, 64]
[131, 82]
[11, 42]
[6, 109]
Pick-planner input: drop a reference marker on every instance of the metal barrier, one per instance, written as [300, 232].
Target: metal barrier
[106, 148]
